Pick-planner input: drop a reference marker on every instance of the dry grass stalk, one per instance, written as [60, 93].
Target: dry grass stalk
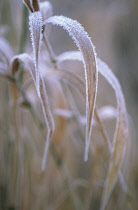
[62, 118]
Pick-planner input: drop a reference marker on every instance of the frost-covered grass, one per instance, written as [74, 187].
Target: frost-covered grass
[58, 152]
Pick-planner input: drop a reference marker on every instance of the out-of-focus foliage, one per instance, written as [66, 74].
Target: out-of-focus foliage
[43, 95]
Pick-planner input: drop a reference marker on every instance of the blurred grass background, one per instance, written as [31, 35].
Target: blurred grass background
[114, 31]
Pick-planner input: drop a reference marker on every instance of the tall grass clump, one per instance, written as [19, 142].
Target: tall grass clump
[60, 147]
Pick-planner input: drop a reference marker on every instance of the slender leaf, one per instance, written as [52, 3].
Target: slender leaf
[83, 42]
[28, 4]
[27, 61]
[35, 22]
[33, 5]
[120, 136]
[121, 131]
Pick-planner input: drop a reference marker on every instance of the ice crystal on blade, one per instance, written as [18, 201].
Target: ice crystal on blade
[83, 42]
[35, 22]
[54, 117]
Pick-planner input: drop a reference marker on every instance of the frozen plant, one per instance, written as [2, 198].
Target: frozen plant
[44, 64]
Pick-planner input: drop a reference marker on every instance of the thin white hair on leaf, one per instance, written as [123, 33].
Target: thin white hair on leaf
[35, 22]
[121, 131]
[46, 9]
[83, 42]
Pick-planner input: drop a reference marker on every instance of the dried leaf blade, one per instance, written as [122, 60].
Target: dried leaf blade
[83, 42]
[28, 4]
[35, 22]
[28, 62]
[120, 136]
